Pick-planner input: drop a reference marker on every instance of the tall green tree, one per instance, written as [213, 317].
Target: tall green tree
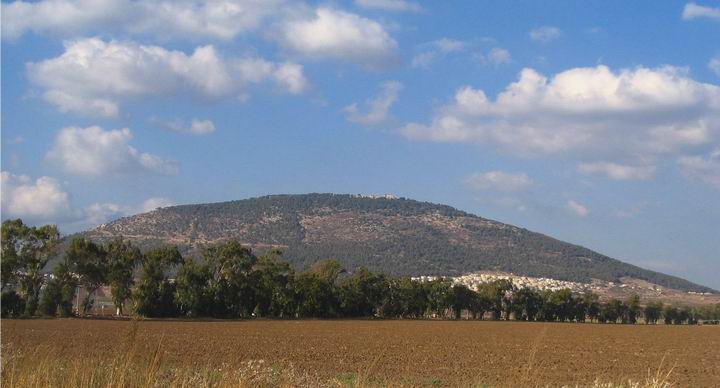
[653, 312]
[68, 287]
[461, 298]
[232, 284]
[59, 292]
[122, 258]
[391, 304]
[480, 305]
[154, 296]
[564, 303]
[274, 293]
[592, 305]
[361, 294]
[685, 315]
[88, 261]
[496, 292]
[12, 303]
[613, 310]
[26, 251]
[49, 298]
[438, 296]
[528, 303]
[410, 298]
[10, 265]
[315, 296]
[670, 314]
[632, 309]
[191, 288]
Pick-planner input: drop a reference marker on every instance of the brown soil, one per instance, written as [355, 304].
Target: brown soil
[423, 352]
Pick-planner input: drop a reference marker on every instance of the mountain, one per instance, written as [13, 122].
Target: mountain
[397, 236]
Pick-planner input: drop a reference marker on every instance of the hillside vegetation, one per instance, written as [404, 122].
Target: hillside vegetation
[395, 236]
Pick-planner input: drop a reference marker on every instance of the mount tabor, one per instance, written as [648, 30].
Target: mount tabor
[397, 236]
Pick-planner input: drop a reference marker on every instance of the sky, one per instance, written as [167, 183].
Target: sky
[595, 122]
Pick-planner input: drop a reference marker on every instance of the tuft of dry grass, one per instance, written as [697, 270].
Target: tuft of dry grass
[659, 379]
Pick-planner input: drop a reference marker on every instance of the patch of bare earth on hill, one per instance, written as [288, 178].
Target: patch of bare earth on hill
[345, 225]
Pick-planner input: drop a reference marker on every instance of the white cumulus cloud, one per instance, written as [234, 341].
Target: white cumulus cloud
[332, 33]
[188, 19]
[63, 17]
[93, 76]
[545, 34]
[499, 180]
[290, 77]
[589, 112]
[215, 19]
[377, 108]
[93, 151]
[40, 200]
[694, 11]
[45, 201]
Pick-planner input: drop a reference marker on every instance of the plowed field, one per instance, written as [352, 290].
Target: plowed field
[423, 352]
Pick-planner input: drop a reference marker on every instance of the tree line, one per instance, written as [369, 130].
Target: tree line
[229, 281]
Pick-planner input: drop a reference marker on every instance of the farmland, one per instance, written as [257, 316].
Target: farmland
[412, 352]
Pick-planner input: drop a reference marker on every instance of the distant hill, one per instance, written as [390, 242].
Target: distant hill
[397, 236]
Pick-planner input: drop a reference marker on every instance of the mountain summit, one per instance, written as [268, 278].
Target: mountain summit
[397, 236]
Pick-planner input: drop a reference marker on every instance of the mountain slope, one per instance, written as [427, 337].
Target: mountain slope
[396, 236]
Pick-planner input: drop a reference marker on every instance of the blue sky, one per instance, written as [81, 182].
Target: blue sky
[595, 122]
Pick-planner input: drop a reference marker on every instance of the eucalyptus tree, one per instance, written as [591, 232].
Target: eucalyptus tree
[273, 282]
[26, 251]
[88, 261]
[231, 282]
[528, 303]
[632, 309]
[653, 311]
[154, 295]
[613, 310]
[499, 293]
[669, 314]
[58, 293]
[412, 298]
[122, 258]
[315, 296]
[438, 296]
[592, 305]
[362, 293]
[191, 288]
[461, 298]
